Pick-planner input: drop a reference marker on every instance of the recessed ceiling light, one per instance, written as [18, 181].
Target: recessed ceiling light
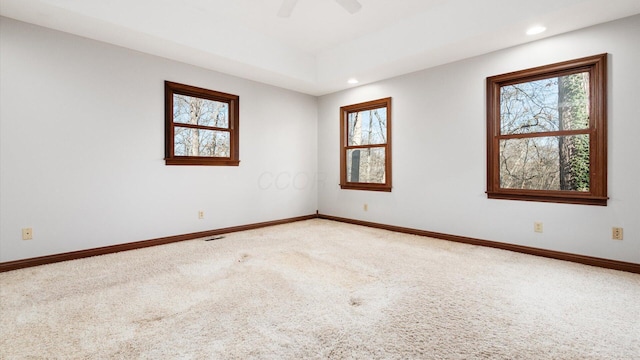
[352, 81]
[536, 30]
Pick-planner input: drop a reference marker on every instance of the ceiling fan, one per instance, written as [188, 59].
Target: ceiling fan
[352, 6]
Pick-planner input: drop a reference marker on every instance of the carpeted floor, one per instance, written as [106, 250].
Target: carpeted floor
[319, 289]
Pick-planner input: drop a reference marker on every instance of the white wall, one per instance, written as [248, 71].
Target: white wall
[439, 151]
[82, 147]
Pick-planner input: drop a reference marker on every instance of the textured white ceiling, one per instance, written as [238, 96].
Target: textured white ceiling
[320, 45]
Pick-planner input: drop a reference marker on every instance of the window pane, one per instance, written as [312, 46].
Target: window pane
[557, 103]
[545, 163]
[367, 127]
[366, 165]
[198, 111]
[199, 142]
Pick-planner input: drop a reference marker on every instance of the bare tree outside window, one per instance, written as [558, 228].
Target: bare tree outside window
[367, 128]
[200, 142]
[545, 162]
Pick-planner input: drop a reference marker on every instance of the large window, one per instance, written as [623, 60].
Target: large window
[365, 146]
[547, 133]
[201, 126]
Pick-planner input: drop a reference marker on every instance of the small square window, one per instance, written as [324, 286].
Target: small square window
[201, 126]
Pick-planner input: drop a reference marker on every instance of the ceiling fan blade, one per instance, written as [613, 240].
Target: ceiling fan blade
[287, 8]
[352, 6]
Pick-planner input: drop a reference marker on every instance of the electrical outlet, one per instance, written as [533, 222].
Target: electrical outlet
[537, 227]
[616, 233]
[366, 207]
[200, 214]
[27, 234]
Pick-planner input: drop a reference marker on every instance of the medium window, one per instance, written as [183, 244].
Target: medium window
[365, 144]
[547, 133]
[201, 126]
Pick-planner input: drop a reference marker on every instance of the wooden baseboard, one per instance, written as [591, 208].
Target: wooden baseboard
[587, 260]
[49, 259]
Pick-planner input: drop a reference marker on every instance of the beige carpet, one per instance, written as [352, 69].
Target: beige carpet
[319, 290]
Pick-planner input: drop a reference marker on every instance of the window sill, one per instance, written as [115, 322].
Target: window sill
[363, 186]
[205, 162]
[560, 197]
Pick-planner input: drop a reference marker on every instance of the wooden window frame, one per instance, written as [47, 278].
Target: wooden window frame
[596, 66]
[344, 116]
[171, 88]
